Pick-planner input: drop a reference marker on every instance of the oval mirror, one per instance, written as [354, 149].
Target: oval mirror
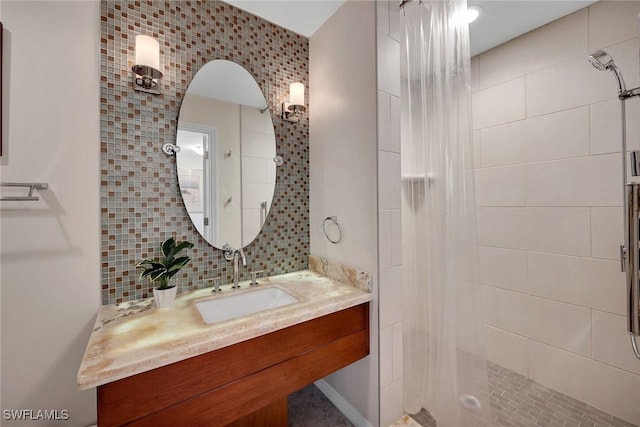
[226, 169]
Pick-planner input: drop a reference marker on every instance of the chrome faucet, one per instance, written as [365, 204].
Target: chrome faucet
[234, 254]
[235, 266]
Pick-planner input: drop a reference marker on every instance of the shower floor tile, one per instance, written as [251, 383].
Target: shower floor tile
[518, 402]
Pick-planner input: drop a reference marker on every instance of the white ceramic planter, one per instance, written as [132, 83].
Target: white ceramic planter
[165, 298]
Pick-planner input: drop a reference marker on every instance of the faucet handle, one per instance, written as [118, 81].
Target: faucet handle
[216, 284]
[254, 275]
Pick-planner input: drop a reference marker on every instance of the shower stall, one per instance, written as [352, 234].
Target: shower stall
[525, 259]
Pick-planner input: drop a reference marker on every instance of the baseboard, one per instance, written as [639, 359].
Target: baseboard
[342, 404]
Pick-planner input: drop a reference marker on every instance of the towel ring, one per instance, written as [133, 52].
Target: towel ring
[333, 219]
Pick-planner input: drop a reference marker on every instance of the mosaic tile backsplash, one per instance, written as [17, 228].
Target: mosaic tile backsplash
[140, 202]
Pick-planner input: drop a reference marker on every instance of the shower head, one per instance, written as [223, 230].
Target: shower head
[601, 60]
[604, 62]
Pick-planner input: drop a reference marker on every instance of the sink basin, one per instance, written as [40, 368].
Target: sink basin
[232, 306]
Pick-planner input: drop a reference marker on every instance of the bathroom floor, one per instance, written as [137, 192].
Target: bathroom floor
[308, 407]
[517, 401]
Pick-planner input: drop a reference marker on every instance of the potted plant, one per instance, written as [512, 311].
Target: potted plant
[162, 269]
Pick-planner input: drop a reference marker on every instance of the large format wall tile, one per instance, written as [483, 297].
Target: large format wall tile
[586, 181]
[611, 22]
[607, 388]
[503, 227]
[611, 344]
[590, 283]
[607, 232]
[570, 84]
[558, 230]
[501, 186]
[606, 130]
[558, 41]
[506, 349]
[499, 104]
[503, 268]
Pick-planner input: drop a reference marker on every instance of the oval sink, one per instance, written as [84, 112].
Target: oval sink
[232, 306]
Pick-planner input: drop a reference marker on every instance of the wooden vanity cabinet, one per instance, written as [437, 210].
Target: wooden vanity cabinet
[242, 385]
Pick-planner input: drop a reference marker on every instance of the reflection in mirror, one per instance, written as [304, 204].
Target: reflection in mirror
[225, 164]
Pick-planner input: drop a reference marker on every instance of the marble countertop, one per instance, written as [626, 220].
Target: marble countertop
[135, 337]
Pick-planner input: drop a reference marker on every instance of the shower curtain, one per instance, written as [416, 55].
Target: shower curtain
[444, 366]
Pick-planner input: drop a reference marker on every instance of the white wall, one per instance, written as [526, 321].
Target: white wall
[548, 187]
[343, 167]
[50, 249]
[390, 226]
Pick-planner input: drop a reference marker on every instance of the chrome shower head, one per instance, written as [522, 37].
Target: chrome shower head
[601, 60]
[604, 62]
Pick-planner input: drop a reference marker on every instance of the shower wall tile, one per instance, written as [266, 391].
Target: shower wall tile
[605, 128]
[586, 181]
[506, 349]
[384, 238]
[611, 341]
[476, 141]
[557, 136]
[395, 123]
[388, 69]
[390, 296]
[501, 186]
[503, 227]
[503, 268]
[389, 180]
[475, 73]
[499, 104]
[505, 309]
[562, 325]
[602, 16]
[397, 351]
[382, 16]
[606, 233]
[386, 356]
[571, 84]
[384, 120]
[503, 145]
[553, 136]
[394, 21]
[140, 203]
[560, 40]
[590, 283]
[390, 403]
[396, 237]
[608, 388]
[558, 230]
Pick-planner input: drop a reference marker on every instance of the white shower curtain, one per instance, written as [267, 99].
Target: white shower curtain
[444, 366]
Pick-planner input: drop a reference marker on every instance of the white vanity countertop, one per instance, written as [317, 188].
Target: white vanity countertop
[135, 337]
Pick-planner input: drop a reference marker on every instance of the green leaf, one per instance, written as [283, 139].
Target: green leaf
[168, 247]
[183, 245]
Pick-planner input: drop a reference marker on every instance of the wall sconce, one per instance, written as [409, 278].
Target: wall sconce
[146, 72]
[291, 110]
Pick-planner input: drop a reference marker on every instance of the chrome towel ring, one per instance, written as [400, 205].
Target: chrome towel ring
[334, 220]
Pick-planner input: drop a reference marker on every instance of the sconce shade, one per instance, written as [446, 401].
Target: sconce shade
[291, 111]
[147, 65]
[296, 94]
